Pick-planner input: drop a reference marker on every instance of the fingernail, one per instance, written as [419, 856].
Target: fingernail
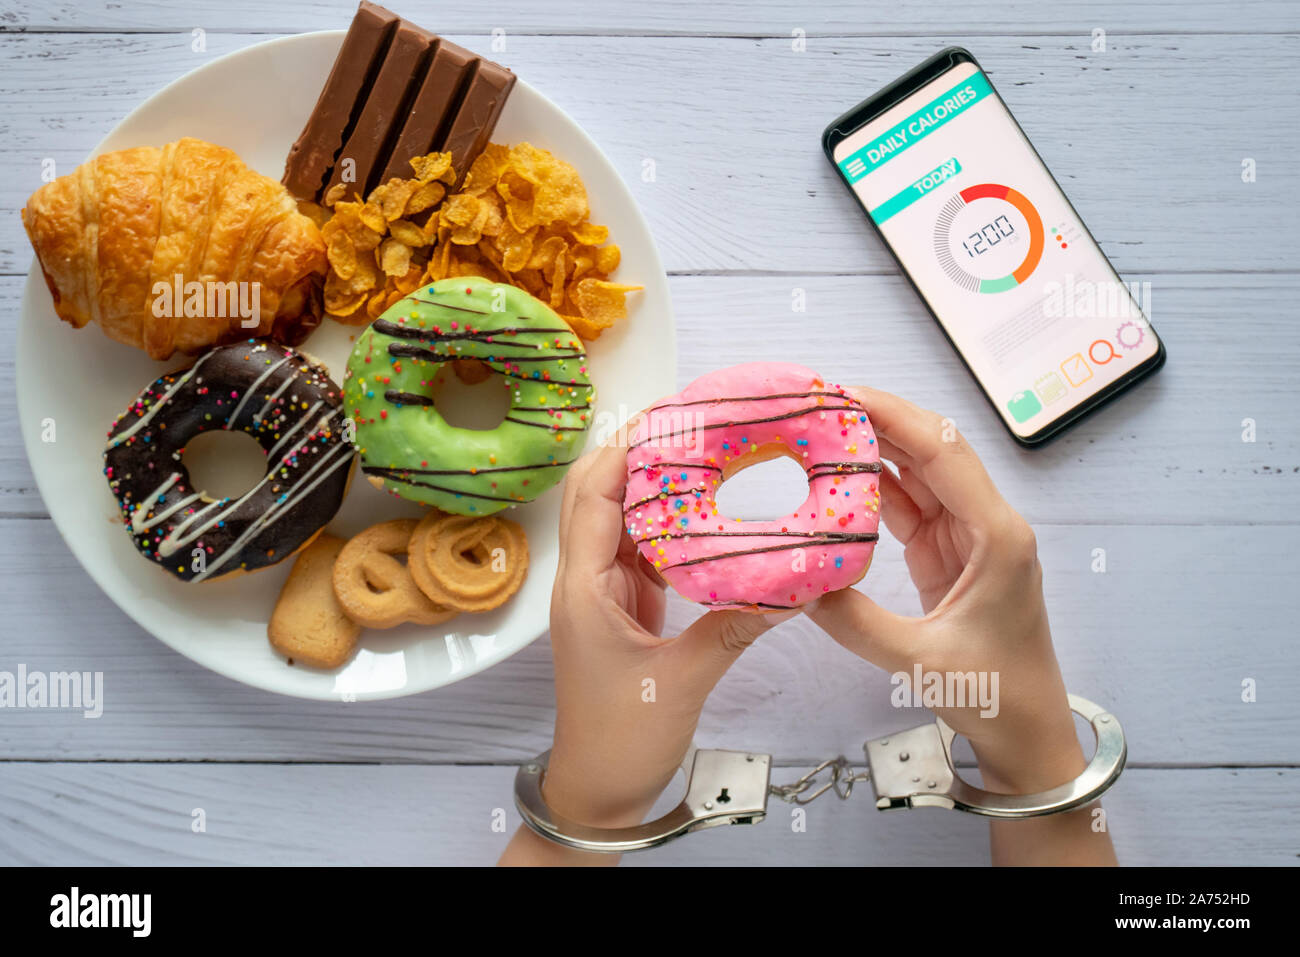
[811, 607]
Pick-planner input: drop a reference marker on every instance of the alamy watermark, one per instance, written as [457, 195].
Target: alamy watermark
[946, 689]
[681, 430]
[208, 300]
[1088, 299]
[72, 690]
[74, 909]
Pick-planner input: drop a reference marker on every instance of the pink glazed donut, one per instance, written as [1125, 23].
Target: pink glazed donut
[688, 445]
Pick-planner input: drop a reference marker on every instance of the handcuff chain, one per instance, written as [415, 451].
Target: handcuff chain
[842, 779]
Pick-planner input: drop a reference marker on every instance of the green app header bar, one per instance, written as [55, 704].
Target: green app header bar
[937, 176]
[916, 127]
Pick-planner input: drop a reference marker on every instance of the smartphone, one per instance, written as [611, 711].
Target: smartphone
[989, 241]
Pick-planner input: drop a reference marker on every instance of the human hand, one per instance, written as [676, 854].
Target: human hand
[627, 701]
[974, 562]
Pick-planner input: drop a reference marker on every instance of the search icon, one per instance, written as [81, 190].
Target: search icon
[1107, 353]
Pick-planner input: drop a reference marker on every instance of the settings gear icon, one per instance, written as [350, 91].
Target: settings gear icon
[1133, 339]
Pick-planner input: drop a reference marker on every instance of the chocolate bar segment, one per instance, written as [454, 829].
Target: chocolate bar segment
[312, 156]
[381, 118]
[434, 108]
[484, 99]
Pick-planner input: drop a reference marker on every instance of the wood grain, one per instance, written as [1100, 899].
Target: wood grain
[386, 815]
[1147, 138]
[1165, 637]
[1171, 451]
[673, 17]
[1197, 527]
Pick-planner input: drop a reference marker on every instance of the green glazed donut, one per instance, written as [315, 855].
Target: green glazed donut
[409, 449]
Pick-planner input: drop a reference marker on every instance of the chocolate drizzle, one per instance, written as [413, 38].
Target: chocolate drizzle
[404, 476]
[660, 496]
[841, 468]
[544, 425]
[681, 465]
[822, 539]
[400, 331]
[658, 439]
[488, 471]
[749, 604]
[749, 398]
[407, 398]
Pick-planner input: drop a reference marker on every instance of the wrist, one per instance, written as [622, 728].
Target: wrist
[594, 797]
[1040, 757]
[568, 795]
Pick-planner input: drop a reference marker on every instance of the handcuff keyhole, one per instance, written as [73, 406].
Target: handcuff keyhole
[724, 797]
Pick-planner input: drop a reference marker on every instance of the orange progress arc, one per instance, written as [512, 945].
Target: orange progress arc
[1035, 253]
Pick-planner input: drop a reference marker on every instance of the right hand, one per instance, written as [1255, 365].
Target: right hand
[974, 561]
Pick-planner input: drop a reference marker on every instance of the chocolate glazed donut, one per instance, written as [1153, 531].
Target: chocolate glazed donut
[265, 390]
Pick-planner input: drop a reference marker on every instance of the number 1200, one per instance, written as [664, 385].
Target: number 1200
[978, 243]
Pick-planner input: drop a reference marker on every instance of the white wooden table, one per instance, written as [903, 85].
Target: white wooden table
[1199, 527]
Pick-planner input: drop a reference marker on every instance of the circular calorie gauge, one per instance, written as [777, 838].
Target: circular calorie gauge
[980, 234]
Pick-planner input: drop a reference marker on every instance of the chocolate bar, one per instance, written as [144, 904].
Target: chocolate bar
[395, 92]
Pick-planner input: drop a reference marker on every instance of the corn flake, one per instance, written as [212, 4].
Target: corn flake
[521, 217]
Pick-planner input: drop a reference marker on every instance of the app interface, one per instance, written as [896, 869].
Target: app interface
[992, 243]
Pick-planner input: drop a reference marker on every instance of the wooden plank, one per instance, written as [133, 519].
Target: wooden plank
[142, 814]
[672, 17]
[1171, 451]
[1194, 522]
[1165, 637]
[1153, 169]
[1167, 452]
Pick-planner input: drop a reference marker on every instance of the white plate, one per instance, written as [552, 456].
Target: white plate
[256, 101]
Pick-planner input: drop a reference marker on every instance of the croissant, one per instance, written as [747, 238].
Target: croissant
[177, 249]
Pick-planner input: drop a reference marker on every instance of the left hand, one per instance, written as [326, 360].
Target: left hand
[627, 700]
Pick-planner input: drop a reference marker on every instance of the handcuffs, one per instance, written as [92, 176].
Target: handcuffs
[911, 769]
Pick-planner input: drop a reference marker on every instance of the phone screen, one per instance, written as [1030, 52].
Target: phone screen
[996, 250]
